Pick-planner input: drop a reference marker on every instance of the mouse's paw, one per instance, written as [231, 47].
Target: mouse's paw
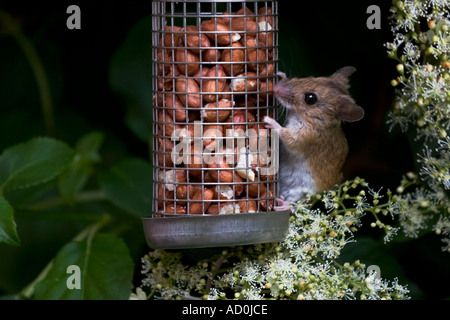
[282, 75]
[271, 123]
[281, 205]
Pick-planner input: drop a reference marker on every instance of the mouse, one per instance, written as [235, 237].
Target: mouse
[313, 147]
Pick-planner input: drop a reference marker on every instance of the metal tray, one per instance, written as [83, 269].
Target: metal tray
[187, 232]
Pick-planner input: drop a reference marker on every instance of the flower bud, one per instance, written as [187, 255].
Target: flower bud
[420, 122]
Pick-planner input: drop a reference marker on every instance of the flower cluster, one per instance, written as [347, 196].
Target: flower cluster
[304, 266]
[421, 45]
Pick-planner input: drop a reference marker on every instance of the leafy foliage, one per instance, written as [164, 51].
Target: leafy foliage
[8, 233]
[80, 203]
[129, 185]
[104, 259]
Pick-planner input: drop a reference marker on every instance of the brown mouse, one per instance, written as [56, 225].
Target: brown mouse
[313, 146]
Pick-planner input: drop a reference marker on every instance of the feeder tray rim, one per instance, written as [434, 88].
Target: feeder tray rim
[215, 230]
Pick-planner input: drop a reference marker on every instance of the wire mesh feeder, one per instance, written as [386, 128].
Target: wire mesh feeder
[215, 164]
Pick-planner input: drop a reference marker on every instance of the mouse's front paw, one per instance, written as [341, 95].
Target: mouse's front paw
[271, 123]
[281, 205]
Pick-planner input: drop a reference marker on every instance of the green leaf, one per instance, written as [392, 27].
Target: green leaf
[74, 177]
[130, 77]
[35, 161]
[105, 266]
[8, 233]
[129, 186]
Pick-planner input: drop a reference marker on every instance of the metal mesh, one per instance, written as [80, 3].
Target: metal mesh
[214, 65]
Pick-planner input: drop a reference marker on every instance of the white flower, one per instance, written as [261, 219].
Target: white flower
[139, 295]
[411, 51]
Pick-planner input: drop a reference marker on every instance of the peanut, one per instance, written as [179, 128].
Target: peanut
[214, 84]
[223, 192]
[228, 208]
[245, 25]
[201, 73]
[210, 133]
[244, 83]
[220, 175]
[234, 59]
[217, 111]
[265, 14]
[248, 206]
[188, 62]
[184, 192]
[200, 202]
[266, 90]
[211, 55]
[172, 36]
[164, 59]
[219, 32]
[188, 91]
[254, 55]
[164, 152]
[213, 209]
[225, 18]
[166, 81]
[256, 189]
[226, 95]
[238, 121]
[264, 37]
[258, 138]
[169, 178]
[195, 163]
[175, 209]
[166, 126]
[247, 12]
[266, 70]
[238, 185]
[265, 202]
[196, 41]
[170, 100]
[164, 196]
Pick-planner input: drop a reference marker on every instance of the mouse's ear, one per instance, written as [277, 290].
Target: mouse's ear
[343, 74]
[348, 110]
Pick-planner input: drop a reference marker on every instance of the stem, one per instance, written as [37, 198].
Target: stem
[82, 217]
[214, 270]
[86, 196]
[37, 68]
[28, 291]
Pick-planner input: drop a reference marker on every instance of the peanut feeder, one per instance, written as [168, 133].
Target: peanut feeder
[214, 65]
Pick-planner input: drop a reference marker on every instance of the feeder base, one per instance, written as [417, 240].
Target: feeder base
[188, 232]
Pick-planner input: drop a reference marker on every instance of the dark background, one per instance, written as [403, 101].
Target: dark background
[316, 38]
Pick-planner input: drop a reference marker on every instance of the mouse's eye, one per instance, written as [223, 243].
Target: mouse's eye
[310, 98]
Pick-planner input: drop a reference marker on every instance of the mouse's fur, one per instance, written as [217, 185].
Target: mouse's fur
[313, 146]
